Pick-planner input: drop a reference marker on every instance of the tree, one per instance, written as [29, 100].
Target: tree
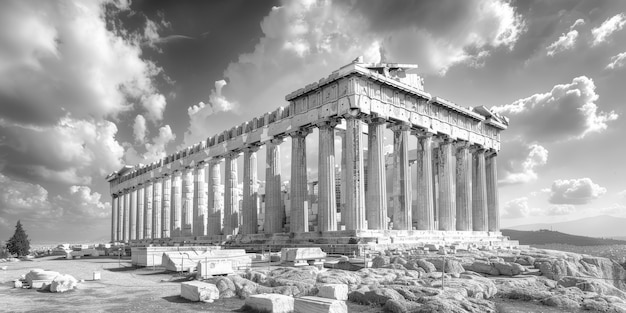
[19, 243]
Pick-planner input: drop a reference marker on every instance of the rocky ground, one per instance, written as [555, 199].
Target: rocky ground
[529, 280]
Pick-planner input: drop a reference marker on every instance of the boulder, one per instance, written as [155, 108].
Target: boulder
[530, 288]
[452, 266]
[17, 284]
[591, 285]
[334, 291]
[310, 304]
[484, 268]
[63, 283]
[243, 287]
[509, 268]
[199, 291]
[561, 302]
[379, 261]
[426, 266]
[401, 306]
[335, 276]
[380, 296]
[274, 303]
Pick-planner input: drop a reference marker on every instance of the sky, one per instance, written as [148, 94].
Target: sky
[89, 86]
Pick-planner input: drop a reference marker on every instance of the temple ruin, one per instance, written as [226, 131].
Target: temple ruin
[181, 200]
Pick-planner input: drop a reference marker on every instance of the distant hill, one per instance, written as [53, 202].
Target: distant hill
[547, 237]
[603, 226]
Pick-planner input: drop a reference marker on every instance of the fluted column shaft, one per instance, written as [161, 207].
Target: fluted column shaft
[492, 192]
[147, 214]
[114, 217]
[156, 207]
[200, 203]
[425, 203]
[402, 211]
[250, 192]
[177, 200]
[215, 204]
[376, 205]
[463, 187]
[133, 215]
[126, 231]
[327, 200]
[231, 196]
[479, 192]
[187, 203]
[274, 211]
[166, 207]
[299, 203]
[355, 183]
[140, 210]
[447, 193]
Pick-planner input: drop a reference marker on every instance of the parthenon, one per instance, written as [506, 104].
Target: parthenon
[181, 198]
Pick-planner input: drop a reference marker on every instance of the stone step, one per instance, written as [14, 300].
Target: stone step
[309, 304]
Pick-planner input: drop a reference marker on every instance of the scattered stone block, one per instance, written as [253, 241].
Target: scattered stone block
[334, 291]
[97, 276]
[36, 278]
[199, 291]
[17, 284]
[296, 254]
[270, 302]
[63, 283]
[4, 268]
[311, 304]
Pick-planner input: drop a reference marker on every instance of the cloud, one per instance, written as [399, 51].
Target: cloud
[617, 61]
[567, 112]
[154, 105]
[622, 194]
[516, 208]
[303, 41]
[154, 150]
[60, 57]
[563, 209]
[565, 42]
[199, 126]
[575, 191]
[69, 152]
[523, 170]
[139, 128]
[578, 22]
[608, 27]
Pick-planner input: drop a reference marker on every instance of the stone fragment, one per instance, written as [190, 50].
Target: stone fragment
[199, 291]
[298, 254]
[380, 296]
[17, 284]
[309, 304]
[334, 291]
[509, 268]
[36, 278]
[270, 302]
[401, 306]
[63, 283]
[427, 266]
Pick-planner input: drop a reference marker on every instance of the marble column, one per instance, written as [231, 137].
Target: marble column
[177, 203]
[147, 215]
[492, 192]
[231, 196]
[215, 201]
[140, 210]
[376, 205]
[402, 211]
[126, 231]
[156, 207]
[447, 193]
[463, 187]
[166, 206]
[133, 214]
[425, 204]
[355, 183]
[343, 178]
[299, 222]
[274, 208]
[200, 203]
[114, 218]
[250, 203]
[187, 203]
[479, 192]
[327, 200]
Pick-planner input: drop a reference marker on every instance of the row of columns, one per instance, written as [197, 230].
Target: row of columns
[462, 197]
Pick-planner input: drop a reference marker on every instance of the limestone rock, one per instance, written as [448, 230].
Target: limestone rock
[427, 266]
[243, 287]
[17, 284]
[592, 285]
[527, 289]
[295, 254]
[451, 266]
[380, 296]
[334, 276]
[38, 277]
[63, 283]
[199, 291]
[379, 261]
[274, 303]
[334, 291]
[484, 268]
[509, 268]
[310, 304]
[401, 306]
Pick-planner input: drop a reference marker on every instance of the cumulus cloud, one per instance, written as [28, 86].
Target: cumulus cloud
[516, 208]
[578, 22]
[568, 111]
[139, 128]
[154, 150]
[303, 41]
[522, 170]
[200, 126]
[69, 152]
[565, 42]
[608, 27]
[575, 191]
[617, 61]
[563, 209]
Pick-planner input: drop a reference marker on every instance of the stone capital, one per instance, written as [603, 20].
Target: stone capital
[301, 132]
[252, 148]
[232, 154]
[177, 173]
[277, 140]
[328, 123]
[352, 113]
[399, 126]
[375, 120]
[202, 164]
[491, 153]
[462, 144]
[477, 149]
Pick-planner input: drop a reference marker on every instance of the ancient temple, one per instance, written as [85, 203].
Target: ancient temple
[181, 198]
